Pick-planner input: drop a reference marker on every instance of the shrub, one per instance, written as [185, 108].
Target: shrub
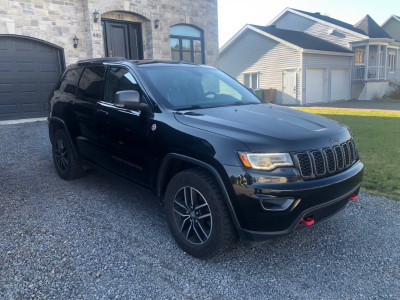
[395, 94]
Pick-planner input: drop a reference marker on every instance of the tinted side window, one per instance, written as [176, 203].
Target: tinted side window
[70, 81]
[119, 79]
[91, 83]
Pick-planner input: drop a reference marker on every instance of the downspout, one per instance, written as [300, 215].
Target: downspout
[378, 62]
[397, 66]
[385, 62]
[351, 68]
[301, 74]
[366, 59]
[350, 80]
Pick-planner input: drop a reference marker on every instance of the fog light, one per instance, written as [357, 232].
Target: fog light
[276, 204]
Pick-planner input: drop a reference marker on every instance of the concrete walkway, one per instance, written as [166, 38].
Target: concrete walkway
[393, 105]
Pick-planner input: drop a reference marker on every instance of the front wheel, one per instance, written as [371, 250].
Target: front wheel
[197, 215]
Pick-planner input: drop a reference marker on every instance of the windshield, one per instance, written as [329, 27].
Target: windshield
[190, 87]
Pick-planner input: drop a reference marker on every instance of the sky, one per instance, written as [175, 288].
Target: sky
[234, 14]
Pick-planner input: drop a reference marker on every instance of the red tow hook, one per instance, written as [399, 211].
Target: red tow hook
[353, 197]
[307, 221]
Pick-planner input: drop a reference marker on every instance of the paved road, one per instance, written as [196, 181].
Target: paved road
[99, 238]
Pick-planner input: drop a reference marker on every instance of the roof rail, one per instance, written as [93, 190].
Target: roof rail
[154, 61]
[100, 60]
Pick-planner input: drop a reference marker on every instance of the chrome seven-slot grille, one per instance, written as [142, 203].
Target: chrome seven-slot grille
[326, 161]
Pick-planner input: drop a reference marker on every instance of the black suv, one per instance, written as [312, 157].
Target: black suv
[224, 164]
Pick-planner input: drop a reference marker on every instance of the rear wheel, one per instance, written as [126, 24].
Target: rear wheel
[197, 215]
[66, 163]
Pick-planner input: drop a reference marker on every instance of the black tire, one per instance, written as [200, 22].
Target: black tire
[201, 224]
[66, 163]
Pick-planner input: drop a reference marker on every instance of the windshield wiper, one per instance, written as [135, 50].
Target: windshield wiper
[237, 103]
[190, 107]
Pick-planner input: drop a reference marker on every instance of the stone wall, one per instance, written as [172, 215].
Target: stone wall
[57, 22]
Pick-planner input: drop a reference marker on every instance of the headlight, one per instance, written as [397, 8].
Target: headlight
[265, 161]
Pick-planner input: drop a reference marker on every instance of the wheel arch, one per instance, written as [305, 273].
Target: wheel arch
[56, 123]
[166, 171]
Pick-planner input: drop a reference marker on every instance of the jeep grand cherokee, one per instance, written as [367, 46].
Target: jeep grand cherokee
[224, 163]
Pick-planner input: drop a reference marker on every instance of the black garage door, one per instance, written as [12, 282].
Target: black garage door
[28, 71]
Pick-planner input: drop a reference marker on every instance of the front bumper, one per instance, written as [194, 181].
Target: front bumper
[318, 198]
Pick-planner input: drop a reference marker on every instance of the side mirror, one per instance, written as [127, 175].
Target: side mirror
[129, 100]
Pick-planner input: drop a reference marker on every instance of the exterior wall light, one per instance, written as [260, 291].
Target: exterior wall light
[96, 16]
[76, 40]
[156, 23]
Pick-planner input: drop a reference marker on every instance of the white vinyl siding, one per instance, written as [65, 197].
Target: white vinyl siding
[295, 22]
[253, 52]
[327, 61]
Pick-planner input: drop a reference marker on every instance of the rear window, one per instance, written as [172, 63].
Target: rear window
[70, 81]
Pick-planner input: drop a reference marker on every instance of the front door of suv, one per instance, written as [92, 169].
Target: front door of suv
[123, 133]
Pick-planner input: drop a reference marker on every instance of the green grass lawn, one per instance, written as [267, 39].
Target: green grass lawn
[377, 137]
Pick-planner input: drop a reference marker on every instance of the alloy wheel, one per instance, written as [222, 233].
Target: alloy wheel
[61, 155]
[192, 215]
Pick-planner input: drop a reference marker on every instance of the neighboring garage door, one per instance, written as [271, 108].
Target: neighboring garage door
[28, 71]
[340, 84]
[315, 85]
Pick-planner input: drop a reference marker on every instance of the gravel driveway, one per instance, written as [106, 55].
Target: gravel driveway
[100, 238]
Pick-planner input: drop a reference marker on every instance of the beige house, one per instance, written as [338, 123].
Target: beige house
[39, 38]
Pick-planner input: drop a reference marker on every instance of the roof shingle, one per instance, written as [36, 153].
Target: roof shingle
[331, 20]
[371, 28]
[302, 40]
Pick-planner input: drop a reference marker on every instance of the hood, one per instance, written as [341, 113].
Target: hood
[267, 127]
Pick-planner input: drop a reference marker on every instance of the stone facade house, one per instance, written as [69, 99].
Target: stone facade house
[38, 38]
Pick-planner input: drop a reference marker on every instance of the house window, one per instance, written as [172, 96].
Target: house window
[187, 44]
[360, 53]
[251, 80]
[391, 60]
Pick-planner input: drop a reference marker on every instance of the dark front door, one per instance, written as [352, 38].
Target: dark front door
[123, 39]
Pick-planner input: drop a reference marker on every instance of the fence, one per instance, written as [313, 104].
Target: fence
[375, 73]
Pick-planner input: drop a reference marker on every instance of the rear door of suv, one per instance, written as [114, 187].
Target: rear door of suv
[89, 92]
